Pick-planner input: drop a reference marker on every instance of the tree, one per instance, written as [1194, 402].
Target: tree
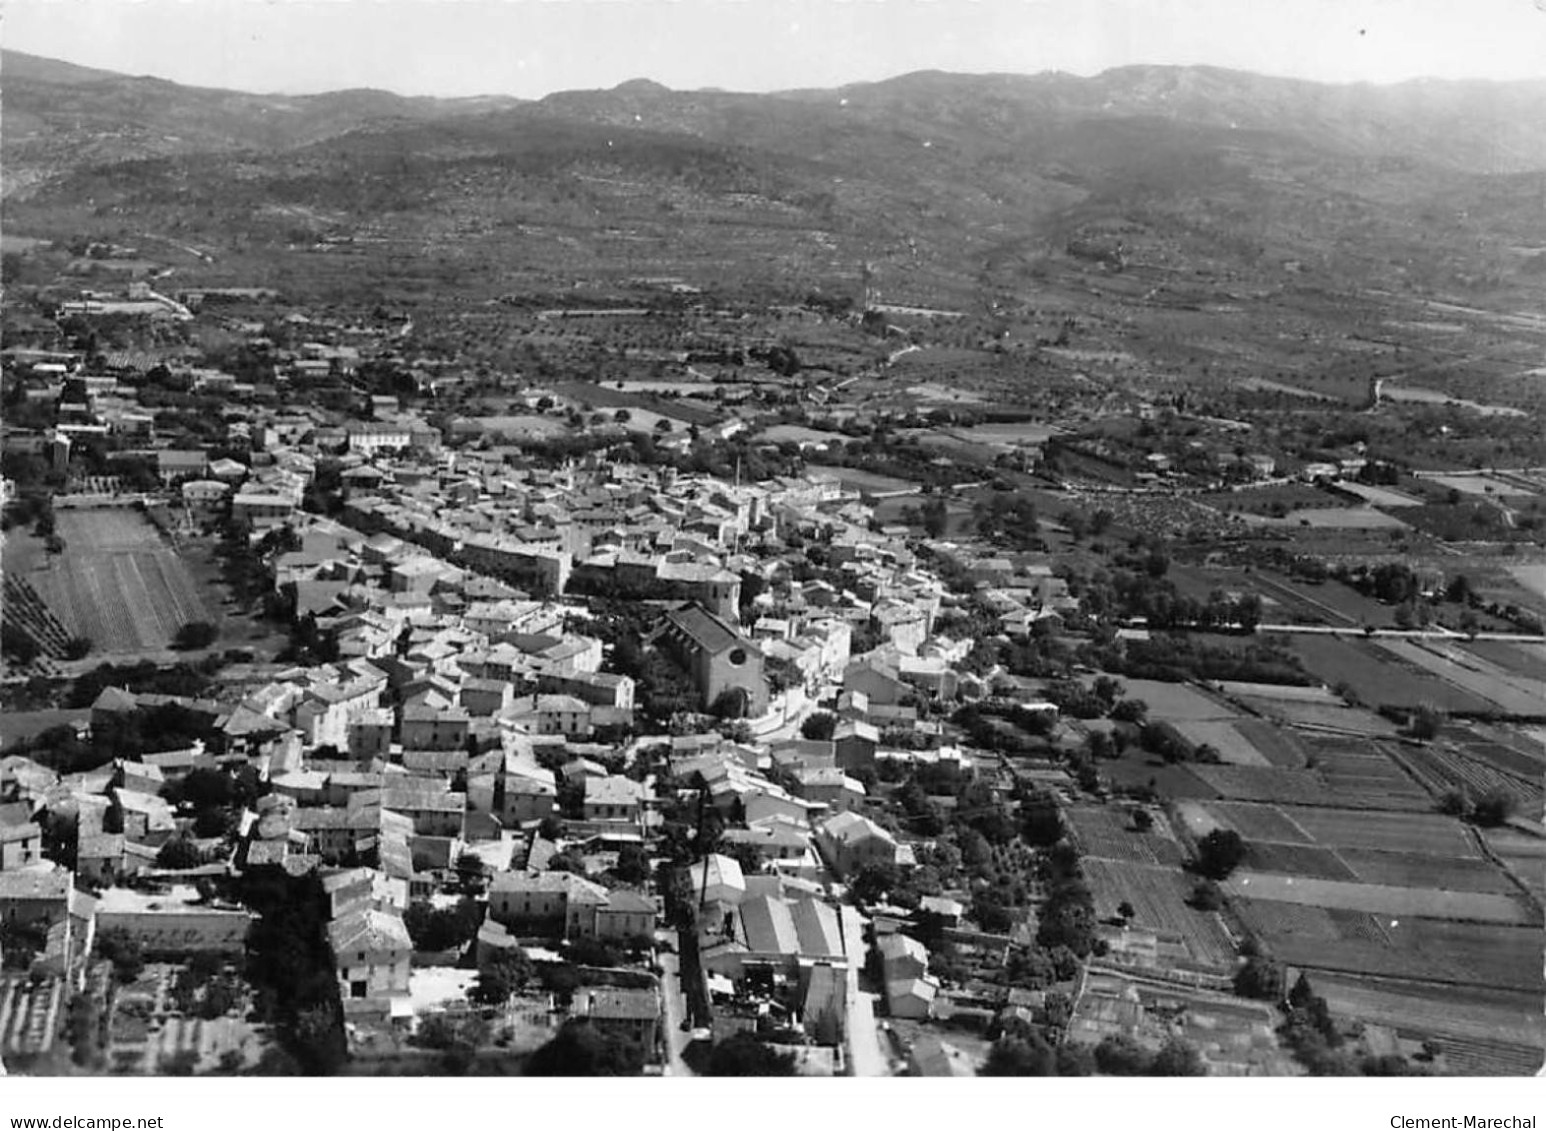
[1426, 722]
[1130, 711]
[1220, 853]
[744, 1055]
[1177, 1058]
[1120, 1055]
[1494, 808]
[178, 854]
[507, 974]
[633, 865]
[873, 881]
[819, 727]
[1143, 820]
[1016, 1056]
[1261, 978]
[124, 951]
[194, 635]
[1206, 896]
[1127, 911]
[1075, 1059]
[580, 1049]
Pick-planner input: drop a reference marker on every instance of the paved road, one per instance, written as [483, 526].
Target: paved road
[865, 1057]
[1409, 633]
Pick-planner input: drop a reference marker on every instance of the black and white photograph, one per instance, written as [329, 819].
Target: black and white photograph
[772, 538]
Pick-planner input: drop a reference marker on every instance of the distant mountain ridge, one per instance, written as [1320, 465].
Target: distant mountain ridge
[956, 187]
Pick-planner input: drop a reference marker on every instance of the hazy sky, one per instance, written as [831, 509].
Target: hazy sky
[533, 47]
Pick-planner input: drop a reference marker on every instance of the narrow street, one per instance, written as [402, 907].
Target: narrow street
[865, 1056]
[675, 1009]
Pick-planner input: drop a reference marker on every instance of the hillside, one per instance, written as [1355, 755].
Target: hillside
[957, 189]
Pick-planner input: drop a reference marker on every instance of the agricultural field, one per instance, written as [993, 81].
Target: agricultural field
[1362, 775]
[1443, 768]
[1417, 870]
[1512, 695]
[1176, 702]
[1278, 745]
[1277, 500]
[1158, 897]
[1392, 832]
[1378, 678]
[1344, 720]
[1224, 737]
[1356, 942]
[1382, 899]
[1297, 860]
[1523, 855]
[1522, 659]
[1477, 1036]
[1252, 783]
[1332, 518]
[1252, 822]
[118, 583]
[1107, 833]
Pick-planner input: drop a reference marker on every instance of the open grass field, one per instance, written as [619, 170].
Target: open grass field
[1176, 702]
[1527, 660]
[1158, 896]
[1224, 737]
[1382, 899]
[1335, 518]
[1106, 832]
[1512, 695]
[867, 482]
[1379, 678]
[118, 583]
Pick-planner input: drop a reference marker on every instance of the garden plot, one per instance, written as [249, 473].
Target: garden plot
[1381, 899]
[1158, 897]
[1107, 833]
